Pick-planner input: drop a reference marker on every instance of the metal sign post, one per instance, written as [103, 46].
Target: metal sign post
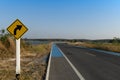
[18, 59]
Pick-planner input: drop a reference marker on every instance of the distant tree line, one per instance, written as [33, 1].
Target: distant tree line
[115, 40]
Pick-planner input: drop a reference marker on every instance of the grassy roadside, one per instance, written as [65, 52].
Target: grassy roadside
[114, 47]
[32, 67]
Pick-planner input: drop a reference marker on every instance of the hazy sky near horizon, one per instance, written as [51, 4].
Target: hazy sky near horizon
[69, 19]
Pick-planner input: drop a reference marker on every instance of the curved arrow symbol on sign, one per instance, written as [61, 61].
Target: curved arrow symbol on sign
[17, 28]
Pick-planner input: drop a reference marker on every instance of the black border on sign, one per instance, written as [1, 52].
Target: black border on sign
[22, 24]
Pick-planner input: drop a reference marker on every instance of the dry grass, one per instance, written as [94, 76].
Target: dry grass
[103, 46]
[11, 45]
[7, 70]
[7, 49]
[32, 65]
[31, 69]
[2, 47]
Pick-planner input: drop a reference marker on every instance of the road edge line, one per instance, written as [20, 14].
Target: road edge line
[73, 67]
[48, 67]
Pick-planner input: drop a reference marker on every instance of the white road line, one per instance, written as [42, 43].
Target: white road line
[48, 68]
[90, 54]
[76, 71]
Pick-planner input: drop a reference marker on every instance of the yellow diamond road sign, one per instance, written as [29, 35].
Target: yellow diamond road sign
[17, 29]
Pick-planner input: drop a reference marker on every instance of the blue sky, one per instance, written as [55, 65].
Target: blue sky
[69, 19]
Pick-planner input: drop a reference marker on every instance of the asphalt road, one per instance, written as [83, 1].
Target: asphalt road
[91, 64]
[59, 67]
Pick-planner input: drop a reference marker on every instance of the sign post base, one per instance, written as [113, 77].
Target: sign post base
[17, 76]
